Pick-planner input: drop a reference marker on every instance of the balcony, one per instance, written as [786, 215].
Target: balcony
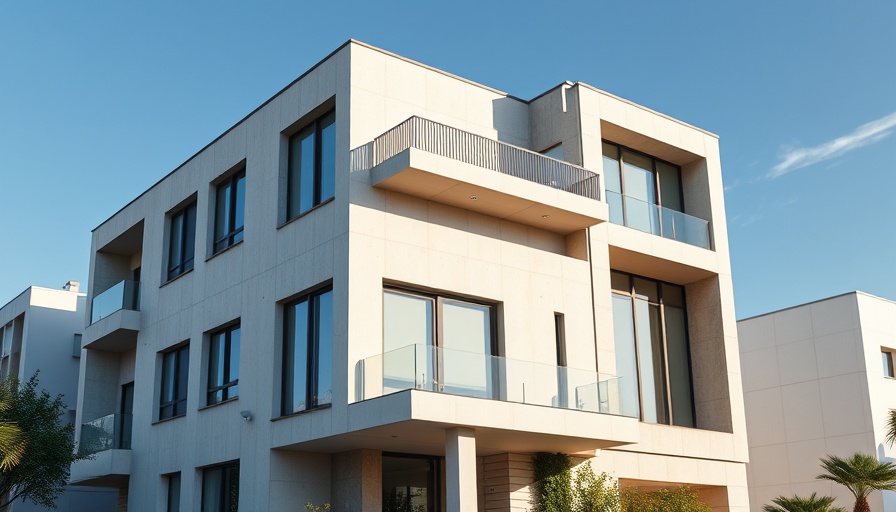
[475, 375]
[440, 163]
[114, 318]
[657, 220]
[108, 441]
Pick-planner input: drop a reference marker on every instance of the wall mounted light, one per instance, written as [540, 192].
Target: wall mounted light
[247, 415]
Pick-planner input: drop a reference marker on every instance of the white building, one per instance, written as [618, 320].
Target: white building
[818, 381]
[40, 331]
[374, 286]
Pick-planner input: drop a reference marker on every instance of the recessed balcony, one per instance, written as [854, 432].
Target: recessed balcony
[108, 441]
[440, 163]
[658, 220]
[114, 318]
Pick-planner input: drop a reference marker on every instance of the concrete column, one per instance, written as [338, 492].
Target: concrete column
[460, 469]
[357, 481]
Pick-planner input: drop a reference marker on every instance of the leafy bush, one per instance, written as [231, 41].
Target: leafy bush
[311, 507]
[592, 493]
[553, 482]
[682, 499]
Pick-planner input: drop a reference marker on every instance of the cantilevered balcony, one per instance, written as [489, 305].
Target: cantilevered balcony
[108, 441]
[440, 163]
[114, 318]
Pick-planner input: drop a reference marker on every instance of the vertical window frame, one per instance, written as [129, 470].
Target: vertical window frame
[232, 233]
[312, 368]
[228, 471]
[172, 492]
[621, 150]
[180, 390]
[229, 387]
[889, 363]
[294, 208]
[185, 262]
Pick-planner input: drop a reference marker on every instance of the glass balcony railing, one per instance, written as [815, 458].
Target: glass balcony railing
[657, 220]
[492, 377]
[124, 295]
[112, 432]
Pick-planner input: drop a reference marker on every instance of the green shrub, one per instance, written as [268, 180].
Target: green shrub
[682, 499]
[310, 507]
[553, 482]
[592, 493]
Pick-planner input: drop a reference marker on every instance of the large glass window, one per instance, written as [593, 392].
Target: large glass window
[449, 341]
[173, 497]
[652, 350]
[311, 178]
[182, 241]
[410, 483]
[221, 488]
[308, 352]
[224, 364]
[175, 370]
[230, 202]
[887, 357]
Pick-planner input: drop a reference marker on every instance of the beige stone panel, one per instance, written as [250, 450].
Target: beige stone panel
[766, 404]
[833, 316]
[796, 362]
[760, 369]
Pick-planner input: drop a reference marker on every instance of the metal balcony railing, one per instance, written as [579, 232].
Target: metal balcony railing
[497, 378]
[124, 295]
[443, 140]
[112, 432]
[657, 220]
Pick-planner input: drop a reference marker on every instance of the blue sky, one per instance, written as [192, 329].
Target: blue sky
[98, 100]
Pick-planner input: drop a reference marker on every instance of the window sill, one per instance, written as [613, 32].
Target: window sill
[222, 402]
[299, 216]
[299, 413]
[222, 251]
[175, 278]
[166, 420]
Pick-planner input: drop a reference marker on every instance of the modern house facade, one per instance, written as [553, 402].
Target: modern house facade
[818, 381]
[388, 286]
[40, 331]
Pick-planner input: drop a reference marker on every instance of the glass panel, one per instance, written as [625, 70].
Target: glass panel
[233, 488]
[620, 282]
[233, 369]
[324, 384]
[167, 393]
[306, 171]
[295, 358]
[174, 244]
[670, 186]
[239, 208]
[639, 184]
[646, 289]
[679, 367]
[299, 157]
[183, 367]
[212, 495]
[222, 215]
[409, 484]
[651, 362]
[327, 156]
[466, 338]
[616, 203]
[174, 493]
[611, 168]
[888, 363]
[673, 295]
[626, 359]
[216, 361]
[407, 320]
[189, 237]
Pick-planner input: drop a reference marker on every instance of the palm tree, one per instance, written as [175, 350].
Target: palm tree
[891, 427]
[12, 444]
[800, 504]
[861, 474]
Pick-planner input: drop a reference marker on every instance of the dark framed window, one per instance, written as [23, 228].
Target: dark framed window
[411, 482]
[653, 360]
[230, 202]
[182, 241]
[451, 340]
[221, 488]
[308, 352]
[175, 371]
[173, 495]
[224, 364]
[887, 357]
[311, 173]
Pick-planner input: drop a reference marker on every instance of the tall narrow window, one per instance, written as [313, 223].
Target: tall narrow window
[224, 365]
[887, 357]
[173, 395]
[173, 497]
[230, 201]
[221, 488]
[652, 350]
[308, 352]
[311, 178]
[562, 374]
[182, 241]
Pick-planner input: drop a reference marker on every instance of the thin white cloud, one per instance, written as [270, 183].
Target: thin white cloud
[869, 133]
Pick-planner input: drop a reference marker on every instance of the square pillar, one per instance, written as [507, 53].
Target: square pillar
[357, 481]
[460, 470]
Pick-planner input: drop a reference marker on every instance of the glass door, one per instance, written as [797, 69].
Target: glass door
[410, 483]
[127, 415]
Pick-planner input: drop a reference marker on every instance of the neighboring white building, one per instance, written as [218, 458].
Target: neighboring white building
[375, 287]
[40, 331]
[818, 380]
